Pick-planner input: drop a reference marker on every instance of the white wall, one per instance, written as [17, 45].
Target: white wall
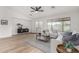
[24, 22]
[13, 18]
[6, 30]
[11, 28]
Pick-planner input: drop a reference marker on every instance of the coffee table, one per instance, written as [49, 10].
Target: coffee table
[60, 49]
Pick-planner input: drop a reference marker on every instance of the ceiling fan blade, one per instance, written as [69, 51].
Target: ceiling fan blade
[32, 8]
[39, 7]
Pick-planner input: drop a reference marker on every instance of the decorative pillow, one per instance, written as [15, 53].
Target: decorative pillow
[77, 35]
[73, 38]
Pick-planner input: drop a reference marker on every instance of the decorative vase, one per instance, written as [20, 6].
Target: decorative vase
[68, 50]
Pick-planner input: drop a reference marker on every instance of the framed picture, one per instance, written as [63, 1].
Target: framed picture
[4, 22]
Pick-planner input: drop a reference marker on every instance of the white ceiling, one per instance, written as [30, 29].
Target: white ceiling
[24, 11]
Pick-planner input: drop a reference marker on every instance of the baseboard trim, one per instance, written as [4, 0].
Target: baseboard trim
[1, 37]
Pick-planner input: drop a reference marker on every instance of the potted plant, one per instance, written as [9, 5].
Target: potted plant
[69, 46]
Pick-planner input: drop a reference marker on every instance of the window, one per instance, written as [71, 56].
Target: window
[38, 25]
[57, 26]
[61, 26]
[66, 26]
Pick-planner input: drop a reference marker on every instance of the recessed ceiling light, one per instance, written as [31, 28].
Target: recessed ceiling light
[52, 6]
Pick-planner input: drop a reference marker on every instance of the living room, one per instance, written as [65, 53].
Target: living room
[21, 26]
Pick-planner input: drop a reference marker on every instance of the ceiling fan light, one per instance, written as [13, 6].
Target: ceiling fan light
[36, 11]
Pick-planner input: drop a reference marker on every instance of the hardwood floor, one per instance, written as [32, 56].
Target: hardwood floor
[17, 44]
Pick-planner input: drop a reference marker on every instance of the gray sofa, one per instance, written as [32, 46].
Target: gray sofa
[74, 38]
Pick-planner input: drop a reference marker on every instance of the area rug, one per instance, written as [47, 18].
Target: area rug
[43, 46]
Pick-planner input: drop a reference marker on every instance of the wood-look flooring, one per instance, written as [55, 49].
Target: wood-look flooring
[17, 44]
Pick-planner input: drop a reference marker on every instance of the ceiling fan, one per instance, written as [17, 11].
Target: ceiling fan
[37, 9]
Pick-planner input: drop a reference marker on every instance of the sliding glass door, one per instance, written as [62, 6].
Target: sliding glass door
[60, 26]
[66, 26]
